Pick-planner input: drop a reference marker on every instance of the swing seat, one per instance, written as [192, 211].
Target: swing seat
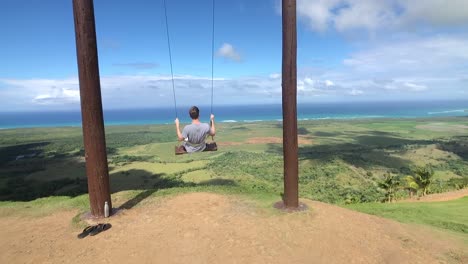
[211, 146]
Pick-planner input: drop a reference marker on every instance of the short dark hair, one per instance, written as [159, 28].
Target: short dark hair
[194, 112]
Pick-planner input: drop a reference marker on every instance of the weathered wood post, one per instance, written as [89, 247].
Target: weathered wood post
[91, 107]
[289, 89]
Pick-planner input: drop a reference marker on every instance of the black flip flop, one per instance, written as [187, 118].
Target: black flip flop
[100, 228]
[86, 231]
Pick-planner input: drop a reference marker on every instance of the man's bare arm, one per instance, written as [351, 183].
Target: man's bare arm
[179, 135]
[212, 129]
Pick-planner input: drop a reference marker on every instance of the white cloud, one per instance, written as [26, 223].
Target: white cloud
[430, 67]
[355, 92]
[308, 86]
[344, 15]
[21, 93]
[436, 12]
[130, 91]
[58, 96]
[308, 81]
[367, 14]
[415, 87]
[227, 51]
[275, 75]
[430, 56]
[317, 13]
[400, 85]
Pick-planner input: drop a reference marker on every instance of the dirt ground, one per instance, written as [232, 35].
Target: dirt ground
[440, 197]
[302, 140]
[211, 228]
[442, 127]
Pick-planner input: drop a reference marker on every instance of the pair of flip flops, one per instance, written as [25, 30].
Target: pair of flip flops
[94, 230]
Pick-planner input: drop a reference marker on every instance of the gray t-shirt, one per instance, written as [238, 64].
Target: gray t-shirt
[195, 135]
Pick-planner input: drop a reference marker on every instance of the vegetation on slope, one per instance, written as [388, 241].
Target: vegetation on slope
[343, 162]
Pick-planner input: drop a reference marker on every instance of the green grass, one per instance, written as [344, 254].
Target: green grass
[44, 206]
[343, 164]
[451, 215]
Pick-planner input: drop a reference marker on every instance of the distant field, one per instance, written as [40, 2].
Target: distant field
[341, 161]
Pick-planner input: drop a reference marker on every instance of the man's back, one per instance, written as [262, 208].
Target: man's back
[194, 136]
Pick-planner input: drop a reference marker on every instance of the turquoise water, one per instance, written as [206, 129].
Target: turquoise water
[245, 113]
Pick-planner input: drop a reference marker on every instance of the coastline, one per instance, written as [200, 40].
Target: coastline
[242, 114]
[253, 122]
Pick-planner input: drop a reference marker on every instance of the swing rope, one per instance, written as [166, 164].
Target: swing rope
[170, 59]
[212, 55]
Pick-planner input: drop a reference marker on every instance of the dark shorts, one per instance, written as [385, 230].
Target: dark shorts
[211, 146]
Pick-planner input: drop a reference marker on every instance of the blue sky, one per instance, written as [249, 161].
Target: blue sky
[348, 50]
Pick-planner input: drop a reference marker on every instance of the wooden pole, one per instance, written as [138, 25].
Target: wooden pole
[289, 89]
[91, 107]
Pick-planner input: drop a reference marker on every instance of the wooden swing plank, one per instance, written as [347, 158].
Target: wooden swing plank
[179, 150]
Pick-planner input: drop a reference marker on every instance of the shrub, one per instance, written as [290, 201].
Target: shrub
[423, 177]
[390, 185]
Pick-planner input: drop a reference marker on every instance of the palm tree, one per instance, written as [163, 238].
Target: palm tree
[423, 177]
[390, 185]
[411, 185]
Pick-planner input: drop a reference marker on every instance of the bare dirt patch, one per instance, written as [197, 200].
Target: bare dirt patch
[302, 140]
[210, 228]
[442, 127]
[264, 140]
[440, 197]
[228, 143]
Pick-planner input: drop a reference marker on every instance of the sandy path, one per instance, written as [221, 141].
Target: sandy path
[440, 197]
[443, 127]
[302, 140]
[210, 228]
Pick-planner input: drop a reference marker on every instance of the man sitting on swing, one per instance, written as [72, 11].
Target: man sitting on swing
[193, 136]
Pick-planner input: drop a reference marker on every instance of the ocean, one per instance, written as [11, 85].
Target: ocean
[243, 113]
